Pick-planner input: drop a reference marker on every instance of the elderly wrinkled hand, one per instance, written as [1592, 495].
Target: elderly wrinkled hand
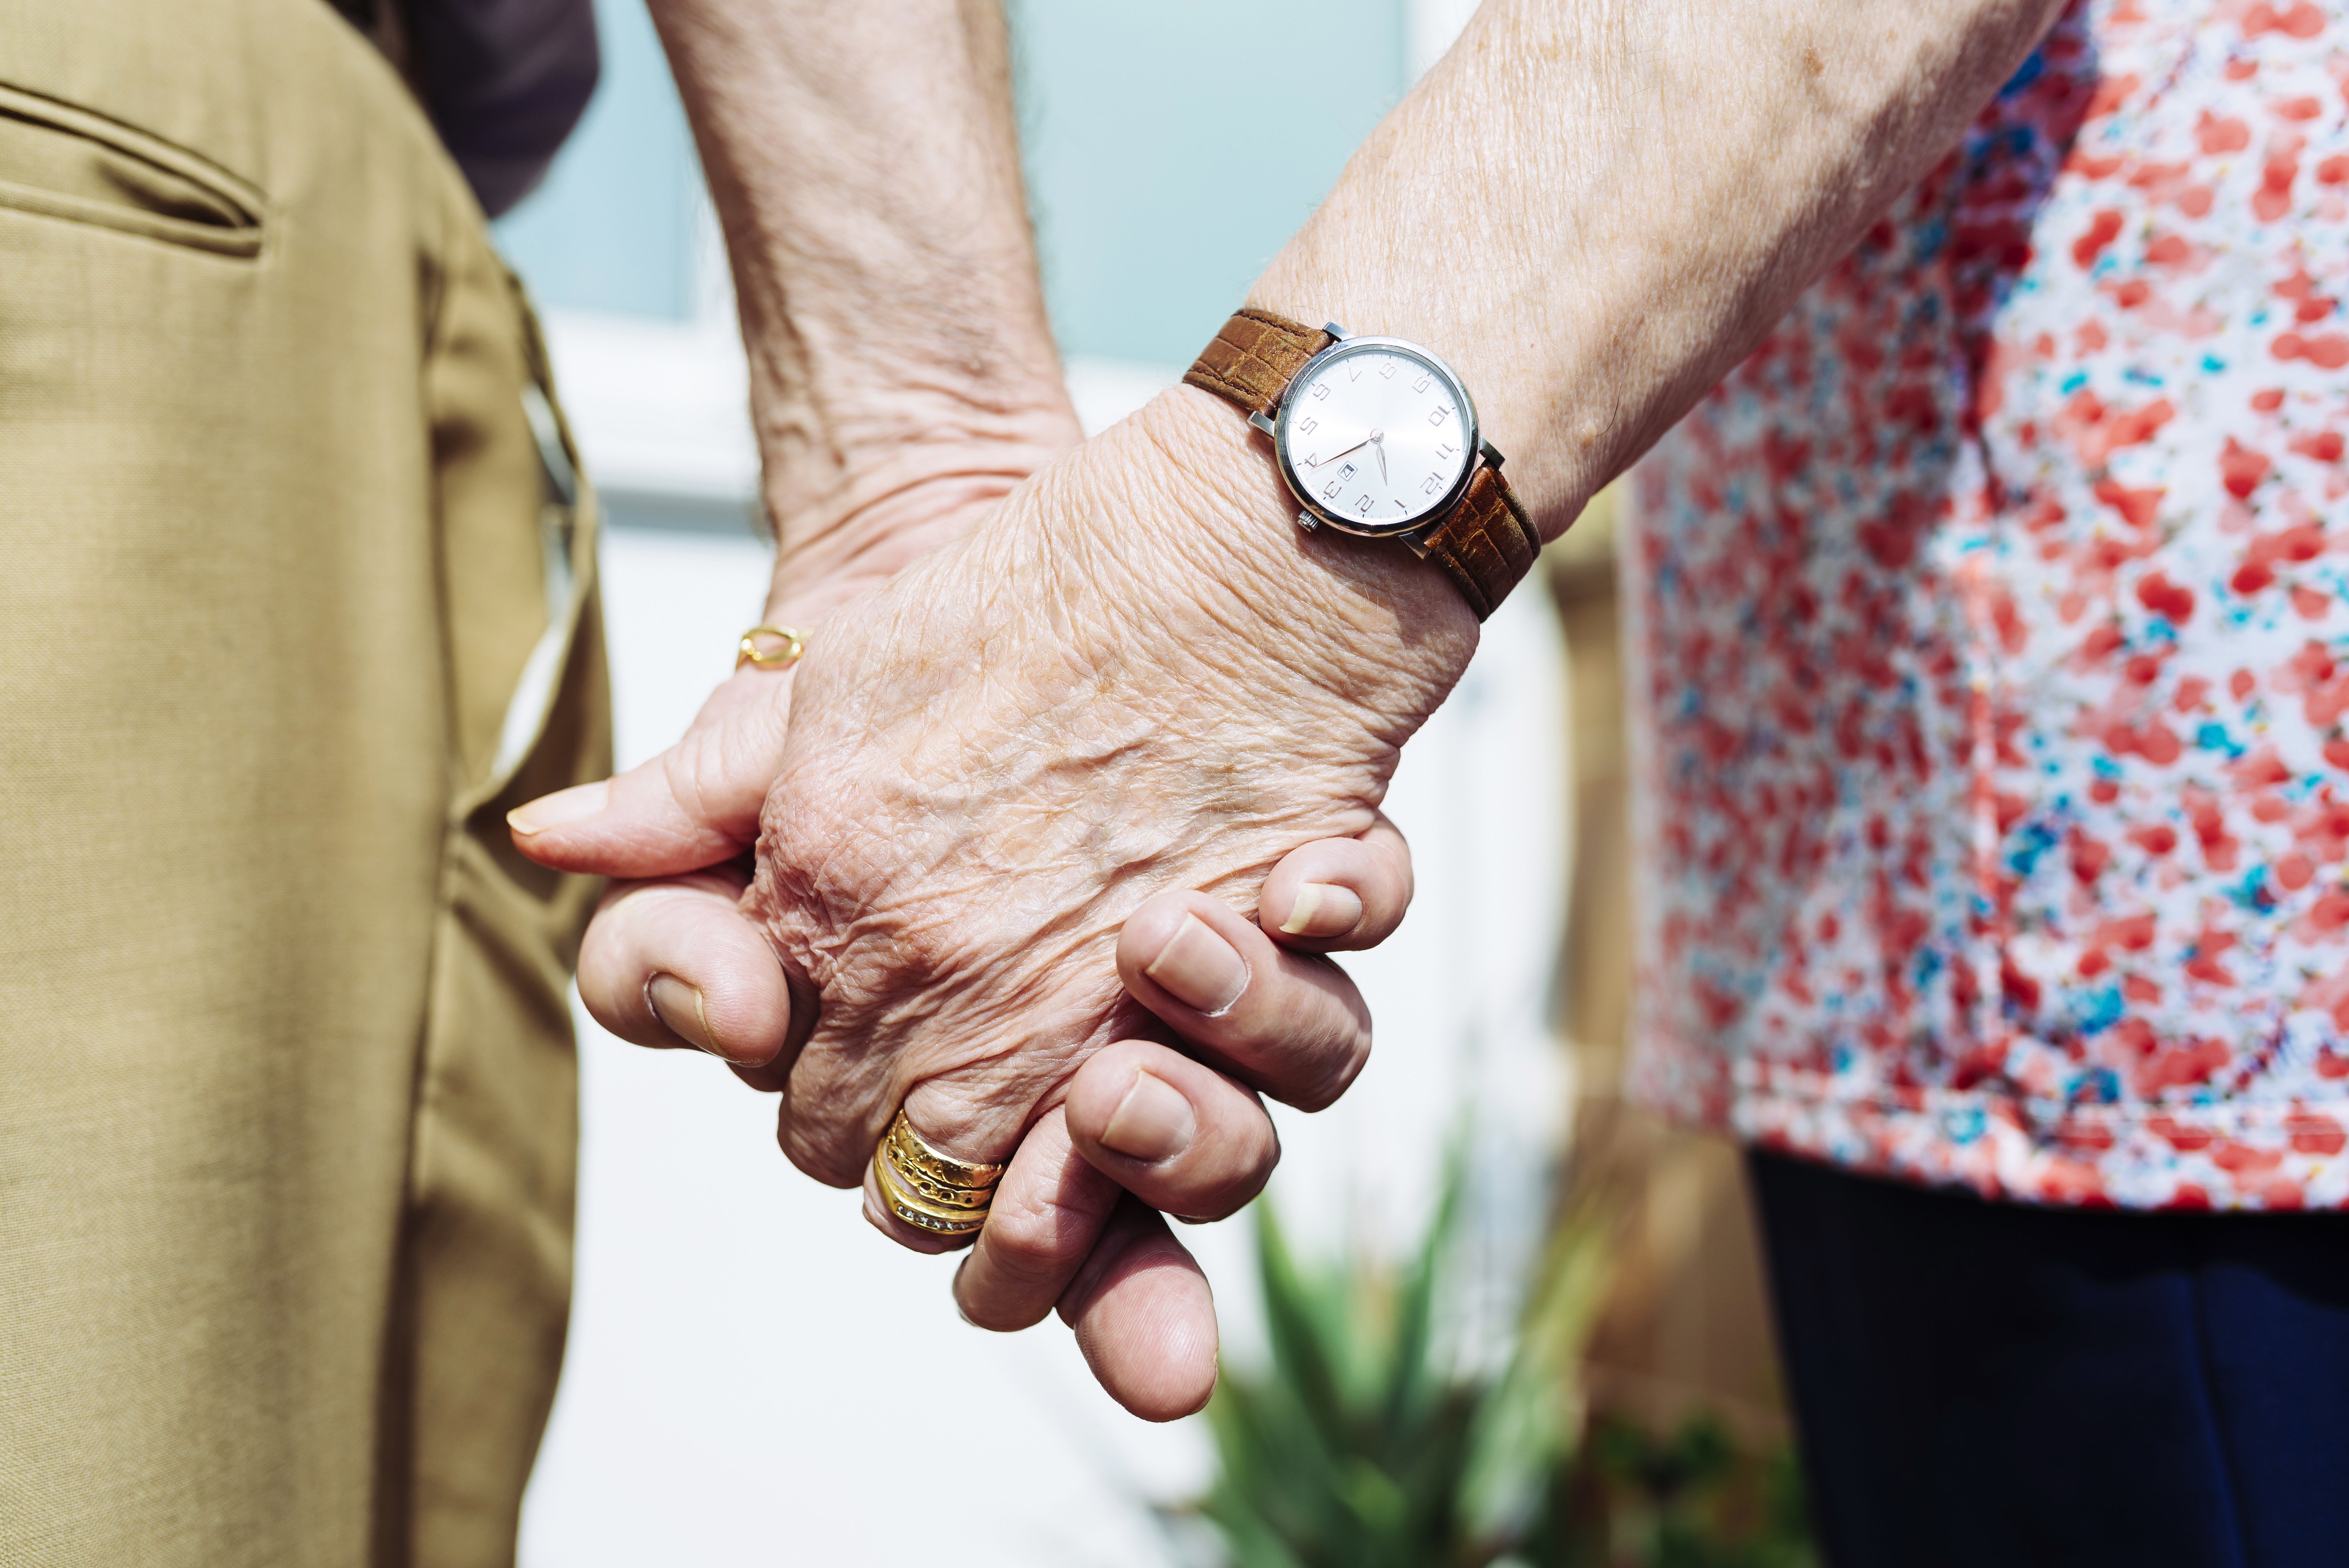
[1133, 678]
[675, 963]
[1030, 797]
[1030, 793]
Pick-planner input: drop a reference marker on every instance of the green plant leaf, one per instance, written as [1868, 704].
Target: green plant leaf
[1365, 1441]
[1415, 1379]
[1301, 1356]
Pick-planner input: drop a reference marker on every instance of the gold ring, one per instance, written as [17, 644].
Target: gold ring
[937, 1192]
[930, 1191]
[914, 1157]
[920, 1215]
[748, 652]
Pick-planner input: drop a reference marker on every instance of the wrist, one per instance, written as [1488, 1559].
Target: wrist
[1192, 503]
[854, 497]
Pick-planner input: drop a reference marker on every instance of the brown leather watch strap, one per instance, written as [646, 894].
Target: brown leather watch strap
[1255, 358]
[1487, 545]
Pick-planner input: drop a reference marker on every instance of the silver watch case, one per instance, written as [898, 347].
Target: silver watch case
[1315, 514]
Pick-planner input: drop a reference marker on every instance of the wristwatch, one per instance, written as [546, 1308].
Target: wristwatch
[1376, 436]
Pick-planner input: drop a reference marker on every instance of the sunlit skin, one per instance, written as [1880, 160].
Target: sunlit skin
[1135, 679]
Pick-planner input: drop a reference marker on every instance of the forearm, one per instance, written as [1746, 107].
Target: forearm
[864, 165]
[1595, 208]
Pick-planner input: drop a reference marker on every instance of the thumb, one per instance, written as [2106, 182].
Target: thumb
[695, 804]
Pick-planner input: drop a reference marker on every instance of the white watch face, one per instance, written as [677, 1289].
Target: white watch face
[1376, 436]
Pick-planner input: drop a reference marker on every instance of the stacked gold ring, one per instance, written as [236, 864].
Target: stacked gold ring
[930, 1191]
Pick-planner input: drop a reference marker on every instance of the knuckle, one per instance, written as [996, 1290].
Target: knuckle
[1036, 1238]
[694, 769]
[818, 1145]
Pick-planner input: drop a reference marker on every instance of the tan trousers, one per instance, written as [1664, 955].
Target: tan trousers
[286, 1077]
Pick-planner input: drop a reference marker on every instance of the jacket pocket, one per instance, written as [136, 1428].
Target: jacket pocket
[58, 162]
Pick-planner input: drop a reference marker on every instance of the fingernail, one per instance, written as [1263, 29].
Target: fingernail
[1200, 968]
[1154, 1121]
[561, 808]
[678, 1007]
[1323, 909]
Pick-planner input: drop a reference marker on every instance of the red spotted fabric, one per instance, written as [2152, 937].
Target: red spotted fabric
[1992, 625]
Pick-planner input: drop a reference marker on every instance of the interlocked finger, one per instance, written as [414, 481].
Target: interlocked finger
[673, 963]
[1175, 1133]
[1339, 895]
[1048, 1210]
[1291, 1024]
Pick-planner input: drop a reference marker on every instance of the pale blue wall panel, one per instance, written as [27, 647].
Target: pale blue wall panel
[612, 228]
[1163, 174]
[1173, 146]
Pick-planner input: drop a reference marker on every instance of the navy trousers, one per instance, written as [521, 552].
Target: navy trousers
[1993, 1385]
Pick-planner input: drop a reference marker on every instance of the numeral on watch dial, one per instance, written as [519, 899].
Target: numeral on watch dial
[1396, 440]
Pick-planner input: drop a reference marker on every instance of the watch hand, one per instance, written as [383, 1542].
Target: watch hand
[1379, 442]
[1357, 447]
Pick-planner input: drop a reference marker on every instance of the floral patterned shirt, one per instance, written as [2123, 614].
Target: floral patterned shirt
[1991, 631]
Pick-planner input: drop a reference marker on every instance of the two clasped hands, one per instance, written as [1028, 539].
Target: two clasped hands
[1014, 814]
[1081, 775]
